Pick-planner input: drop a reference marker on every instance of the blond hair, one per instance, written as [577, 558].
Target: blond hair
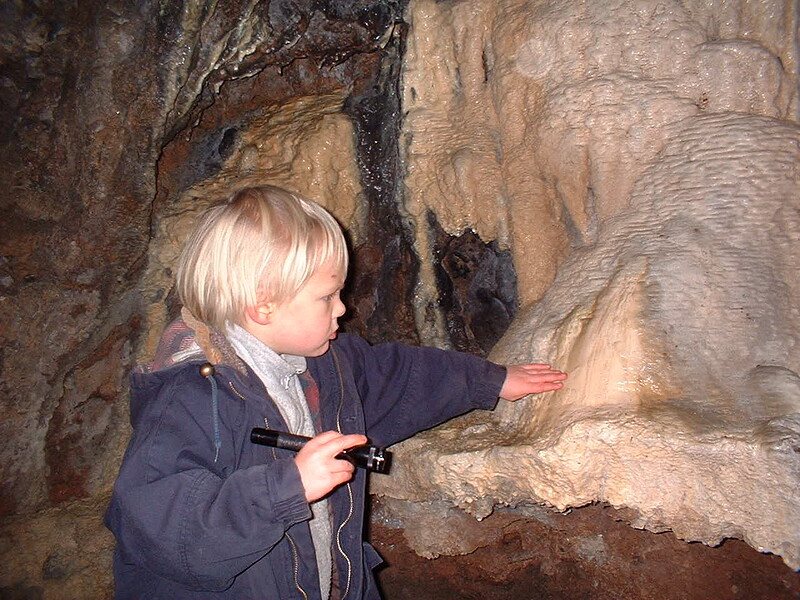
[263, 244]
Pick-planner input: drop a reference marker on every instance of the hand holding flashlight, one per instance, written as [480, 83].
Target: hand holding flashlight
[327, 460]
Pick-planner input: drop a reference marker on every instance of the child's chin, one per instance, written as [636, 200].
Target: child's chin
[319, 351]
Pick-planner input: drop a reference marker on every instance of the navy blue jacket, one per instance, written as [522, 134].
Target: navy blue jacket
[189, 526]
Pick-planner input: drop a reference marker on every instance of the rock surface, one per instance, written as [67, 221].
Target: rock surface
[588, 554]
[677, 311]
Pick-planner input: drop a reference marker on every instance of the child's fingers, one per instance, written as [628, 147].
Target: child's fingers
[337, 445]
[535, 366]
[538, 369]
[533, 378]
[320, 470]
[334, 438]
[331, 443]
[542, 370]
[322, 438]
[340, 442]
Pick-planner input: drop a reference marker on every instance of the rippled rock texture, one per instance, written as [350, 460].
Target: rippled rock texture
[679, 329]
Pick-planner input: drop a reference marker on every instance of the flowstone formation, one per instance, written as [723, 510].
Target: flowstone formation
[675, 309]
[679, 330]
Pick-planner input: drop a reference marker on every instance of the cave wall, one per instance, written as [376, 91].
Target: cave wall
[472, 149]
[112, 114]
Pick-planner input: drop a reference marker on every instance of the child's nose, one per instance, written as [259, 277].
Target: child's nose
[339, 309]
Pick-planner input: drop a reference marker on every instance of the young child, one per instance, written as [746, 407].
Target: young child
[199, 511]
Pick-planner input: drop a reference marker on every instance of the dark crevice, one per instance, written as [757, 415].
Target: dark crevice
[477, 287]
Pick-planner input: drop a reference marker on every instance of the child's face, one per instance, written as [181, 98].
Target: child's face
[305, 325]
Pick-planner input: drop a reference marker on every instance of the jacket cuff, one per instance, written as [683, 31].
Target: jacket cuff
[493, 382]
[287, 496]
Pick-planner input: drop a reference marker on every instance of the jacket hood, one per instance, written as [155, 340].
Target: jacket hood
[185, 341]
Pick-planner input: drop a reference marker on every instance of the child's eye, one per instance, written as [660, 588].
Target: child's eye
[332, 296]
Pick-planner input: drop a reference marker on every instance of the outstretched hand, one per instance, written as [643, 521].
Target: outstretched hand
[522, 380]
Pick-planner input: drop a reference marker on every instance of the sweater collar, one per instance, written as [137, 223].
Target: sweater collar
[257, 354]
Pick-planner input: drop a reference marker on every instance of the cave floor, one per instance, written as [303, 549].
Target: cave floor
[587, 554]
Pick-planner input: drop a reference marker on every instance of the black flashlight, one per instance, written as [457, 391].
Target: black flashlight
[372, 458]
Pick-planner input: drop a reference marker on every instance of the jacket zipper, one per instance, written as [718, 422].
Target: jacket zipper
[274, 454]
[295, 557]
[296, 560]
[349, 487]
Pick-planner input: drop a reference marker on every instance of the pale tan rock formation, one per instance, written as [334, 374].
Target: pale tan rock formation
[658, 140]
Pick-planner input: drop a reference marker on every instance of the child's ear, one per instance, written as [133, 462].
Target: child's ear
[261, 313]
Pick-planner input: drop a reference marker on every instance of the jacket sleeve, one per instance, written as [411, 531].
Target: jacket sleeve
[406, 389]
[188, 519]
